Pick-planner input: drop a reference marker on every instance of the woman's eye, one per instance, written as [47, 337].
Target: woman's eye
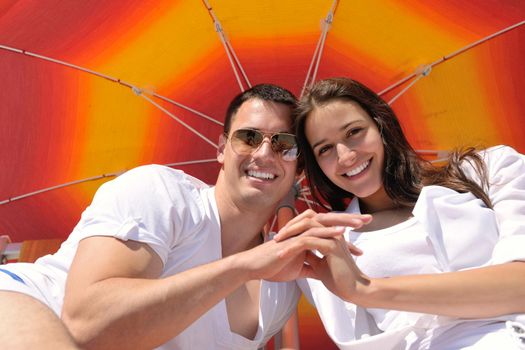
[323, 150]
[353, 131]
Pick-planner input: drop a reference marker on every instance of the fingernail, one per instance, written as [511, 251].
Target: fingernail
[367, 217]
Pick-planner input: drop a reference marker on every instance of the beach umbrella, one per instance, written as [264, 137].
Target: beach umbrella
[92, 88]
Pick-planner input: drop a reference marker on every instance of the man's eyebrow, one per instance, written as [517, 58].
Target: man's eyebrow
[269, 132]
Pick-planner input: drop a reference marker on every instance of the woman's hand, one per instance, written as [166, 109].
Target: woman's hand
[308, 230]
[335, 268]
[321, 225]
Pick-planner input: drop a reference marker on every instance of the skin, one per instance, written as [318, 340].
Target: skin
[344, 139]
[477, 293]
[40, 328]
[114, 286]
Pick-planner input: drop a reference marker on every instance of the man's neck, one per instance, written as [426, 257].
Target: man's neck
[241, 226]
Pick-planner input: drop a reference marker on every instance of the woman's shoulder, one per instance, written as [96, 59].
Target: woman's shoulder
[500, 151]
[495, 158]
[502, 157]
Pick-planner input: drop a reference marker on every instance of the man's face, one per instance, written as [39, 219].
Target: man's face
[261, 177]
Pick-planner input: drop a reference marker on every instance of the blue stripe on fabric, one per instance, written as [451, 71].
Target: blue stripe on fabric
[13, 275]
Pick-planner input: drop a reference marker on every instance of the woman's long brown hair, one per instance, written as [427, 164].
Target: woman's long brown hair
[405, 172]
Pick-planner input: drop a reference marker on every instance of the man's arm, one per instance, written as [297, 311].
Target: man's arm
[114, 298]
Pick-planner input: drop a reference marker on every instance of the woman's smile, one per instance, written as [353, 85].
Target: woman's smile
[348, 147]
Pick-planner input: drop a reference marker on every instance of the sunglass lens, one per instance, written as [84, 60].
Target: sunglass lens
[282, 142]
[285, 144]
[245, 140]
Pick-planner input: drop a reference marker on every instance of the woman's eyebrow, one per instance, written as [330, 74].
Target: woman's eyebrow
[342, 128]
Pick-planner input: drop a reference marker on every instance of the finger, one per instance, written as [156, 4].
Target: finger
[296, 228]
[311, 259]
[307, 272]
[325, 232]
[303, 243]
[309, 213]
[311, 219]
[343, 219]
[308, 221]
[319, 232]
[353, 249]
[306, 213]
[310, 266]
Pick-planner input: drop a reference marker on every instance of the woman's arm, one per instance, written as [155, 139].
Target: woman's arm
[477, 293]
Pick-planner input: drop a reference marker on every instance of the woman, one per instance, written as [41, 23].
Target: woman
[442, 266]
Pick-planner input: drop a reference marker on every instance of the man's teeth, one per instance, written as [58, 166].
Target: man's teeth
[261, 175]
[358, 169]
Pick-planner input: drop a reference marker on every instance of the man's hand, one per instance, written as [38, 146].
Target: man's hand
[334, 266]
[285, 257]
[323, 233]
[322, 225]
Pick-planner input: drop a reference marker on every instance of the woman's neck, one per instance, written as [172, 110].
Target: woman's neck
[377, 202]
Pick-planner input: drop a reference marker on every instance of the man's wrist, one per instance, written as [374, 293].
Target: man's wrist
[238, 266]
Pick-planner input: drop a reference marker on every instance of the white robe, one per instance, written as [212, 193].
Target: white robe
[450, 231]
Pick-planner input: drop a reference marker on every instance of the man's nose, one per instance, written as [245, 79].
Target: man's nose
[265, 148]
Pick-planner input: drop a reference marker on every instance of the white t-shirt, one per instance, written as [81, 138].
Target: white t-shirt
[449, 231]
[177, 216]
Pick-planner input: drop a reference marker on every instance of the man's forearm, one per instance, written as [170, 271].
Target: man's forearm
[129, 313]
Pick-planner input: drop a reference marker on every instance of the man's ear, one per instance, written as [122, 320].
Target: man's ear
[220, 148]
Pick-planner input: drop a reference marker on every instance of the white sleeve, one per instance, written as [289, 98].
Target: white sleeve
[147, 204]
[506, 173]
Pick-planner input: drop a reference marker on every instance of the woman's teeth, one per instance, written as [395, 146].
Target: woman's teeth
[359, 169]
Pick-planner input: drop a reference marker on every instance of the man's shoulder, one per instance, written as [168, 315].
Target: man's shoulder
[155, 172]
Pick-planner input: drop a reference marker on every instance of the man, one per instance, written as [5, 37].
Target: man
[160, 260]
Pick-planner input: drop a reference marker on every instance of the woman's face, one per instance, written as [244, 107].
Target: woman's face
[348, 147]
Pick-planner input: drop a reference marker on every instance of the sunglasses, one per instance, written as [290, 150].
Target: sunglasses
[247, 141]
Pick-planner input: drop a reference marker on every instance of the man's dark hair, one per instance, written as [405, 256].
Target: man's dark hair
[265, 92]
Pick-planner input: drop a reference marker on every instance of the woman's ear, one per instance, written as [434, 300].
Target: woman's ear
[220, 148]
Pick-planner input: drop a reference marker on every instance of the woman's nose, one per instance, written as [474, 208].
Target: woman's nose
[345, 155]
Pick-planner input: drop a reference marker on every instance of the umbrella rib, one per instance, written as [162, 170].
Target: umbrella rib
[238, 63]
[235, 63]
[191, 162]
[188, 108]
[232, 64]
[405, 89]
[187, 126]
[107, 77]
[93, 178]
[452, 55]
[476, 43]
[327, 23]
[326, 27]
[47, 189]
[311, 65]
